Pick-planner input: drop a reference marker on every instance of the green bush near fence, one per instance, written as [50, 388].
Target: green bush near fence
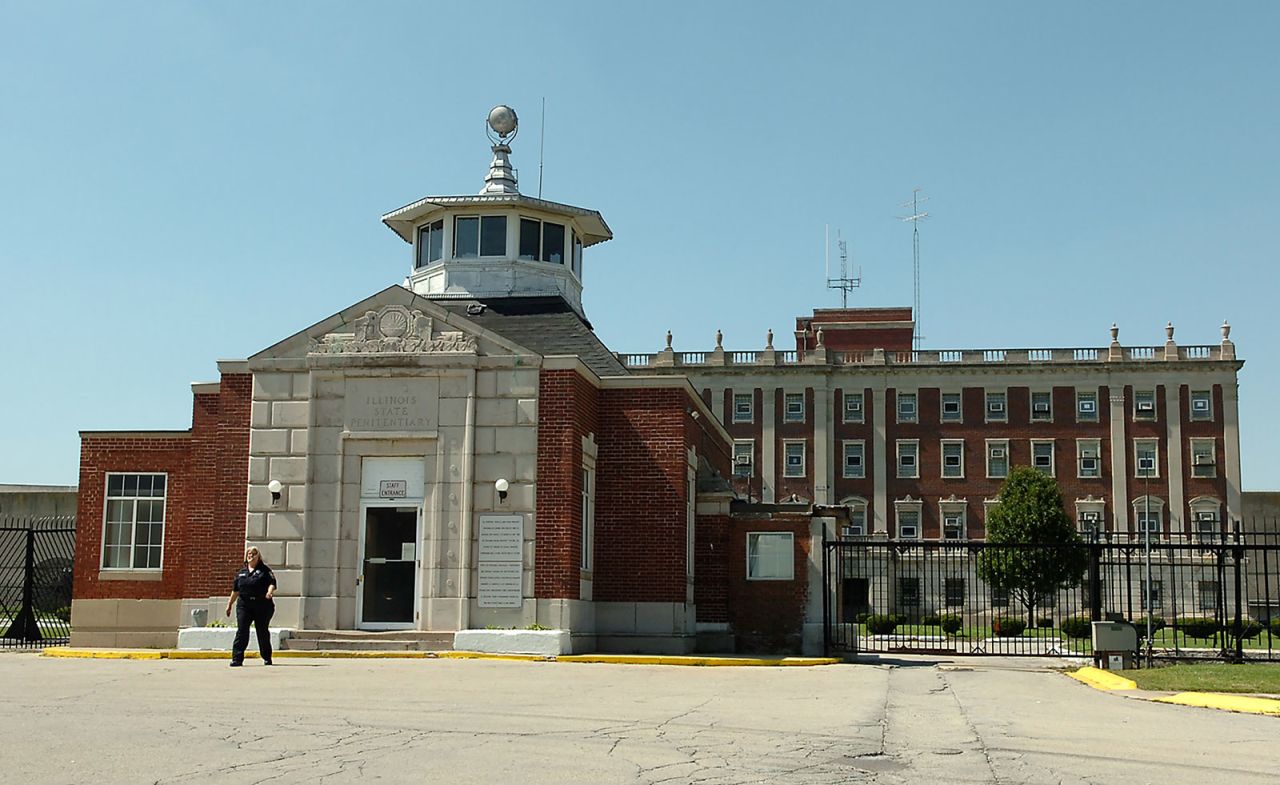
[1077, 627]
[1197, 626]
[881, 625]
[1275, 627]
[1007, 626]
[950, 624]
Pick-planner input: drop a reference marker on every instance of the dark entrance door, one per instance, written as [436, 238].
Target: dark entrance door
[856, 599]
[389, 567]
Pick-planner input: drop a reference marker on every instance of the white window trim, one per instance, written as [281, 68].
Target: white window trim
[986, 405]
[1081, 444]
[910, 505]
[786, 467]
[950, 508]
[1137, 470]
[916, 467]
[915, 405]
[750, 416]
[751, 443]
[1203, 504]
[786, 411]
[164, 523]
[791, 563]
[987, 458]
[855, 504]
[1213, 456]
[1207, 416]
[943, 459]
[844, 459]
[862, 406]
[942, 406]
[588, 512]
[1095, 416]
[1031, 397]
[1143, 416]
[1053, 455]
[1091, 506]
[1157, 508]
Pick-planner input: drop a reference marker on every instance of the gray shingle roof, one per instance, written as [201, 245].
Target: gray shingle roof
[546, 325]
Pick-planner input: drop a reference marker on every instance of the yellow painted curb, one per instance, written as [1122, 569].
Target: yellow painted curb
[1217, 700]
[480, 655]
[641, 659]
[1103, 680]
[103, 654]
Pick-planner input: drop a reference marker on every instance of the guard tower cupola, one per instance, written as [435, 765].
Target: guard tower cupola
[498, 243]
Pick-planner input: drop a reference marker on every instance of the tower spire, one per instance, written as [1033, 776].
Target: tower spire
[502, 127]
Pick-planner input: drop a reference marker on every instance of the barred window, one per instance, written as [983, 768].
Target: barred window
[133, 535]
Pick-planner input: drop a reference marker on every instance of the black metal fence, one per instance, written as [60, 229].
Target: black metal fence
[36, 560]
[1204, 596]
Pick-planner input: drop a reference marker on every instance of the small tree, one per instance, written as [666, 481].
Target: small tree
[1030, 513]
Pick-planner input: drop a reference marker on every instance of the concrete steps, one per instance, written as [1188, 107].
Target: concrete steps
[361, 640]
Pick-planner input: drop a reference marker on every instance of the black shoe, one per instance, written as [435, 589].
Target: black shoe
[266, 662]
[236, 664]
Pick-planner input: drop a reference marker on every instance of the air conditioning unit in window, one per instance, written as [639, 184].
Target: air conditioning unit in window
[1088, 464]
[997, 452]
[853, 404]
[1088, 407]
[951, 407]
[1146, 464]
[996, 407]
[1040, 407]
[1200, 405]
[1207, 517]
[1146, 406]
[1203, 460]
[908, 531]
[851, 531]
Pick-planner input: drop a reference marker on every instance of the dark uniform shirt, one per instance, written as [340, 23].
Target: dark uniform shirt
[252, 583]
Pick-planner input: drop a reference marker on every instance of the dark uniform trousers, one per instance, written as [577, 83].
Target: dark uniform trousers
[258, 611]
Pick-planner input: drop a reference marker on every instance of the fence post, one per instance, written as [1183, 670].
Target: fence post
[826, 596]
[1095, 578]
[1237, 556]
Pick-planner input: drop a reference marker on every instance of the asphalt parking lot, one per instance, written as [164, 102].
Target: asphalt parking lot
[446, 721]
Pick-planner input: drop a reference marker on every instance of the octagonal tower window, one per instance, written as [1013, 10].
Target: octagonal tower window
[541, 241]
[479, 235]
[430, 243]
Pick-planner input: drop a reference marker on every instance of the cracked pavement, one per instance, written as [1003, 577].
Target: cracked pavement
[334, 721]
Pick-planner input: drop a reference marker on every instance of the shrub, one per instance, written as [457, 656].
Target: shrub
[1007, 626]
[1157, 623]
[861, 618]
[1077, 627]
[931, 620]
[1250, 629]
[1045, 622]
[882, 625]
[1275, 627]
[950, 624]
[1198, 627]
[64, 613]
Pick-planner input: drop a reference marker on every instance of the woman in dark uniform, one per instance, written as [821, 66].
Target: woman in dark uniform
[254, 587]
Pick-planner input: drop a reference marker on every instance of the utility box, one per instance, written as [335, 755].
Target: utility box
[1115, 645]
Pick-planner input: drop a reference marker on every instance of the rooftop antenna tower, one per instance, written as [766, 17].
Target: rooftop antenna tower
[542, 136]
[844, 283]
[914, 219]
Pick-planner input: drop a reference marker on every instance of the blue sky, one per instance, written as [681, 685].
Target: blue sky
[182, 182]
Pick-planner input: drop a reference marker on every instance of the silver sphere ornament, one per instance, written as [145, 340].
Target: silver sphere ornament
[503, 120]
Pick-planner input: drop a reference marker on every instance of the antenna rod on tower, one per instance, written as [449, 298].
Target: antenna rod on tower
[914, 219]
[844, 283]
[542, 136]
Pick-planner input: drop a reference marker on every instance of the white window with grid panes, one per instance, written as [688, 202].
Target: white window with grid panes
[793, 452]
[744, 407]
[793, 407]
[951, 409]
[908, 515]
[952, 513]
[952, 458]
[133, 530]
[908, 458]
[770, 556]
[853, 407]
[744, 458]
[1148, 515]
[1042, 406]
[855, 466]
[1086, 406]
[1204, 459]
[906, 407]
[1206, 517]
[997, 406]
[1088, 458]
[1202, 405]
[1144, 404]
[997, 458]
[1146, 454]
[1042, 455]
[857, 526]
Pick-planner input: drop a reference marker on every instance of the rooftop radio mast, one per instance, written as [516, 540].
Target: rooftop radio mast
[844, 283]
[914, 219]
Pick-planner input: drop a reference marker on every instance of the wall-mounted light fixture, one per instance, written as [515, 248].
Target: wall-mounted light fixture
[275, 487]
[501, 486]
